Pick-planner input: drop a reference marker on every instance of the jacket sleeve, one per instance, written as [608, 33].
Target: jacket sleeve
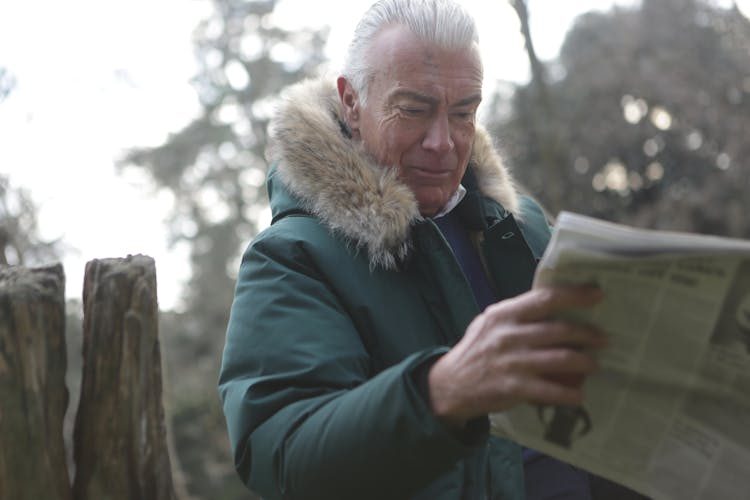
[306, 417]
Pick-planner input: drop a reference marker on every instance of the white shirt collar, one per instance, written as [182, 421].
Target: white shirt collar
[455, 200]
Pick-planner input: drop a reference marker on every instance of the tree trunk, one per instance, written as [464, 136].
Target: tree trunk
[547, 140]
[120, 442]
[538, 74]
[33, 396]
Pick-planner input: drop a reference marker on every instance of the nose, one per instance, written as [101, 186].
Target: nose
[438, 136]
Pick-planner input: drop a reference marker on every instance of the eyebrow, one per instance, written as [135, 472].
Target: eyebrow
[426, 99]
[413, 95]
[469, 100]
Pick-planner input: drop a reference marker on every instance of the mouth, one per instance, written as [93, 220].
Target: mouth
[438, 173]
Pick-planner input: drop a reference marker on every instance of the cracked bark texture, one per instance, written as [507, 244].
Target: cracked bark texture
[33, 396]
[120, 444]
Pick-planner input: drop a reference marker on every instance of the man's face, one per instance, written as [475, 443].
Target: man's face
[420, 113]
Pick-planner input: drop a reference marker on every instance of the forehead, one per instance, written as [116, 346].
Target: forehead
[401, 60]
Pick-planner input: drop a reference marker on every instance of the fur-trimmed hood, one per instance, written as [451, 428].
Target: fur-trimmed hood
[334, 179]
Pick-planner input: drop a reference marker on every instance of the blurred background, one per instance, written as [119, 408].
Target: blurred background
[139, 127]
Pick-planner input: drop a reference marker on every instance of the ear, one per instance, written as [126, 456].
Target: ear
[349, 104]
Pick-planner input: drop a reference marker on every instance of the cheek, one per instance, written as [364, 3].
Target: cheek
[465, 135]
[374, 138]
[463, 140]
[396, 138]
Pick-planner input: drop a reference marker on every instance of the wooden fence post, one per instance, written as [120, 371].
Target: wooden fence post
[33, 396]
[120, 445]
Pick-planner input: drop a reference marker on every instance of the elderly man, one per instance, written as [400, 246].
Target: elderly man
[386, 310]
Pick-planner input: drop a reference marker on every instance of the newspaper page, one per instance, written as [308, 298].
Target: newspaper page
[668, 413]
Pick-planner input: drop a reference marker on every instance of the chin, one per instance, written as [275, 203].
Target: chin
[431, 199]
[430, 209]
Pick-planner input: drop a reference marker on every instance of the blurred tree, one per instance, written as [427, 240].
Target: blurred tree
[538, 72]
[215, 169]
[7, 83]
[651, 105]
[215, 166]
[548, 145]
[20, 242]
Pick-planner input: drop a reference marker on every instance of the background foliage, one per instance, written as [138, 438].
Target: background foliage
[20, 243]
[642, 119]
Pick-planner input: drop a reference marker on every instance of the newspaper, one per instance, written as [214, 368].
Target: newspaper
[668, 413]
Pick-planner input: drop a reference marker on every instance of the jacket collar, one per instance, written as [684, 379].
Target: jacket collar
[332, 178]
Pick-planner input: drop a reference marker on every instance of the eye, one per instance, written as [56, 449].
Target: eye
[411, 111]
[464, 115]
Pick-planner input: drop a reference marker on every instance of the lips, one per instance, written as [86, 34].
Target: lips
[432, 172]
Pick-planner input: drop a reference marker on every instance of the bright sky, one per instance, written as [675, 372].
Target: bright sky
[95, 78]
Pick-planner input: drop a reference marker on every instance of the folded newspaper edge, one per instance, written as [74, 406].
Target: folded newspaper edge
[581, 231]
[668, 413]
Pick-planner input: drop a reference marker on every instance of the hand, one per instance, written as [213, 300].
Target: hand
[515, 353]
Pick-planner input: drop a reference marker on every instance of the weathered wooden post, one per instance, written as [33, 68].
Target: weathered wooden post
[120, 445]
[33, 396]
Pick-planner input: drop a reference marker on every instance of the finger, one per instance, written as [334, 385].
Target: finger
[552, 334]
[544, 303]
[547, 392]
[567, 379]
[543, 391]
[543, 362]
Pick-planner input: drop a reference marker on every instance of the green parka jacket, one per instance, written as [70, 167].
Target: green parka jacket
[343, 303]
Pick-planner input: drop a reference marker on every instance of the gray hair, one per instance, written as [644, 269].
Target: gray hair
[441, 22]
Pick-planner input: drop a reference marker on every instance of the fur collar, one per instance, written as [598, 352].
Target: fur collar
[336, 181]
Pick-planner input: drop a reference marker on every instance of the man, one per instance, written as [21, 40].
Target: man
[358, 361]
